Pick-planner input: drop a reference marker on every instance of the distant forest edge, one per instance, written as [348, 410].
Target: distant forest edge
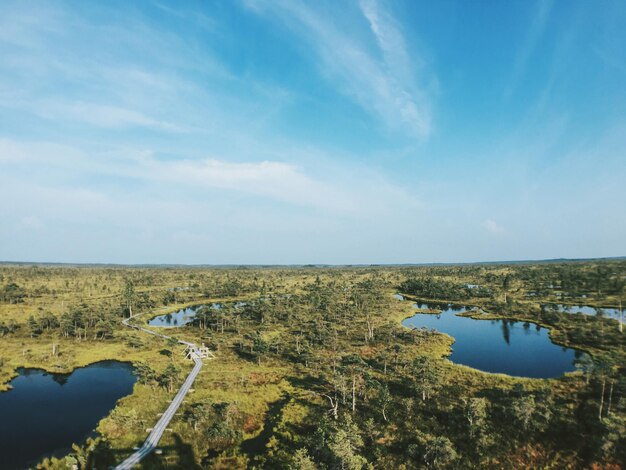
[310, 265]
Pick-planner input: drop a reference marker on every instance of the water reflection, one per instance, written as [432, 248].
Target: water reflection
[187, 315]
[505, 346]
[44, 414]
[608, 312]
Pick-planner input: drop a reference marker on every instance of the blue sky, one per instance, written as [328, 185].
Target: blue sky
[251, 131]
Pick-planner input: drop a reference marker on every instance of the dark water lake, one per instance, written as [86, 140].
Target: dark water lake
[515, 348]
[174, 319]
[184, 316]
[586, 310]
[44, 414]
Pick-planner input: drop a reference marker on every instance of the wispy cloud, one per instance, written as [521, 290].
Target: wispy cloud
[47, 70]
[534, 35]
[271, 179]
[101, 115]
[338, 193]
[188, 15]
[386, 86]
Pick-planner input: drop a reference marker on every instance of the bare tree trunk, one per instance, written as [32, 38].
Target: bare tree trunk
[608, 408]
[353, 393]
[601, 400]
[334, 406]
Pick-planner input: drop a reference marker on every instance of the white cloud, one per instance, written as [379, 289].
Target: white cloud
[100, 115]
[492, 226]
[275, 180]
[112, 116]
[334, 191]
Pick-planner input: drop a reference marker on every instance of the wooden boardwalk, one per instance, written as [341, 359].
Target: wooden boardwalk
[155, 435]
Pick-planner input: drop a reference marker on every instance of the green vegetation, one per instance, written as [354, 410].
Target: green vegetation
[315, 370]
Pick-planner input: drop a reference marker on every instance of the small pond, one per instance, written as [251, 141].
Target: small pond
[510, 347]
[44, 414]
[184, 316]
[586, 310]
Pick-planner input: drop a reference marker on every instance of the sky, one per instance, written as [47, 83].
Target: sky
[294, 132]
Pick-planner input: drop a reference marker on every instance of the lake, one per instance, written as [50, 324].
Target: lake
[184, 316]
[586, 310]
[44, 414]
[515, 348]
[174, 319]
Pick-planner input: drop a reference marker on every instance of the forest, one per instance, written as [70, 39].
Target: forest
[314, 368]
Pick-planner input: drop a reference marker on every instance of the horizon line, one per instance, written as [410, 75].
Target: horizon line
[306, 265]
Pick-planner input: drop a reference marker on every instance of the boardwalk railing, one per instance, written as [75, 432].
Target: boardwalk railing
[155, 435]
